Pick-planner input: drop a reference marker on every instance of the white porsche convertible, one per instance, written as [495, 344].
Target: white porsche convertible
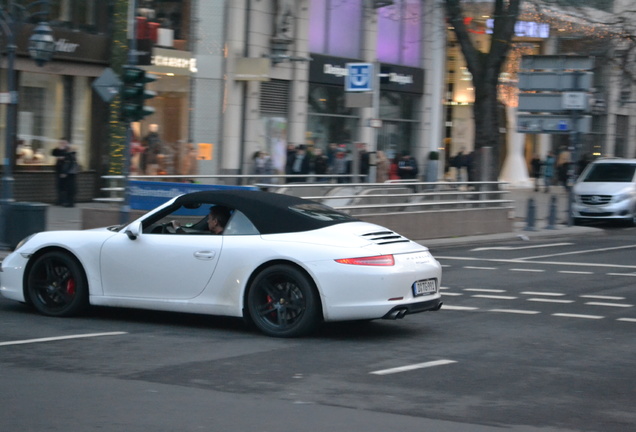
[283, 263]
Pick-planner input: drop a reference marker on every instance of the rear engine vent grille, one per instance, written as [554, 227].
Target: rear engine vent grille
[385, 237]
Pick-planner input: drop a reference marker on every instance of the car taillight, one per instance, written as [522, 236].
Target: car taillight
[380, 260]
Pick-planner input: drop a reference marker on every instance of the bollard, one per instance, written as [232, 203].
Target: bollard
[530, 217]
[552, 214]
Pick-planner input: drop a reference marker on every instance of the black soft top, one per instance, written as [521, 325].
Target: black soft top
[271, 213]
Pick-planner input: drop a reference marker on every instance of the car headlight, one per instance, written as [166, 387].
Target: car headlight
[622, 197]
[23, 241]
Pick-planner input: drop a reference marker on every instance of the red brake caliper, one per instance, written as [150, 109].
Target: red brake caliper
[70, 287]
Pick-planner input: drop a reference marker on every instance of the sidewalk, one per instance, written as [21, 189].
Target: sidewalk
[64, 218]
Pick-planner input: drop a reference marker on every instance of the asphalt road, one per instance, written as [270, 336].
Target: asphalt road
[534, 336]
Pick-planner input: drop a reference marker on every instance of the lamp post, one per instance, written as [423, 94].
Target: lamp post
[41, 48]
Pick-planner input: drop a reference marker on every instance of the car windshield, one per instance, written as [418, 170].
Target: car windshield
[611, 172]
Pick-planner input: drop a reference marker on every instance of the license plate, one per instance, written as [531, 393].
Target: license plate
[424, 287]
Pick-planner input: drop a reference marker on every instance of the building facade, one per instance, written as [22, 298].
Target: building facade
[57, 101]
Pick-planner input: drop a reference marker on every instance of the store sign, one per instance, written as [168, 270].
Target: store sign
[528, 29]
[333, 70]
[173, 61]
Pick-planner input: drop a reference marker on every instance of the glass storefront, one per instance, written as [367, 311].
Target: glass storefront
[397, 111]
[329, 121]
[51, 107]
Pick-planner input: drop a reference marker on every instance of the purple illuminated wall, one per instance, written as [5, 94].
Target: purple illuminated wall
[399, 33]
[335, 27]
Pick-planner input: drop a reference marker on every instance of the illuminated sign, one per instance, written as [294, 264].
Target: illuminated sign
[527, 29]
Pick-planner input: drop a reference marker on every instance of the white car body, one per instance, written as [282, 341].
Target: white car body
[606, 195]
[212, 274]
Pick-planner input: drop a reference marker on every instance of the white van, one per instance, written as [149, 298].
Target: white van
[606, 190]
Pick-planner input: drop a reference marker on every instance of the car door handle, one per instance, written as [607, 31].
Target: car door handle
[205, 255]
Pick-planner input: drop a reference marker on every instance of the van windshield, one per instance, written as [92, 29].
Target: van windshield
[611, 173]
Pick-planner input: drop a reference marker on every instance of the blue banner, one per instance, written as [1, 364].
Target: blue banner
[146, 195]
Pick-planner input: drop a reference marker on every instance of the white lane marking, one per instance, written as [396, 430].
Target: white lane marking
[582, 252]
[458, 308]
[412, 367]
[59, 338]
[486, 290]
[565, 315]
[621, 274]
[527, 270]
[495, 297]
[623, 305]
[508, 248]
[449, 294]
[627, 319]
[575, 272]
[600, 297]
[549, 294]
[553, 263]
[546, 300]
[515, 311]
[480, 268]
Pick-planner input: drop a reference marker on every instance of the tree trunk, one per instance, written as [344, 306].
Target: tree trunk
[485, 68]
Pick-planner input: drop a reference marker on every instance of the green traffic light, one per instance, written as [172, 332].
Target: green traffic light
[134, 93]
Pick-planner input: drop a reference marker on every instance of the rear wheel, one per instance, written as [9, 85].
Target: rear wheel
[282, 302]
[56, 285]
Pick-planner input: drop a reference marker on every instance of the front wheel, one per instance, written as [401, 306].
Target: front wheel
[282, 302]
[56, 285]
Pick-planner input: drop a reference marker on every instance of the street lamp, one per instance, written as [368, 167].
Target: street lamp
[41, 49]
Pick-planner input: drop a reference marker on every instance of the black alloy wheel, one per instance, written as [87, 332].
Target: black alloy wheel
[282, 302]
[56, 285]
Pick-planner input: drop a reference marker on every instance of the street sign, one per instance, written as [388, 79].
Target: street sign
[553, 102]
[557, 62]
[555, 81]
[575, 101]
[107, 85]
[552, 124]
[360, 77]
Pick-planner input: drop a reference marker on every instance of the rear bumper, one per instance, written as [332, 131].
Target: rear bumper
[399, 312]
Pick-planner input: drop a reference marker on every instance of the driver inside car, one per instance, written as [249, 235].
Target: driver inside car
[216, 220]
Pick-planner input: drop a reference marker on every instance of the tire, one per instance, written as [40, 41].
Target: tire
[282, 302]
[56, 285]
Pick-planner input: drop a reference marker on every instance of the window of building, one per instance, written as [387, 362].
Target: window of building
[329, 121]
[335, 27]
[397, 111]
[399, 33]
[83, 15]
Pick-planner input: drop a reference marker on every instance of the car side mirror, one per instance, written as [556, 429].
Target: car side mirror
[134, 230]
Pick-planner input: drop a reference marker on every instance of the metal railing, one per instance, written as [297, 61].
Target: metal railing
[355, 198]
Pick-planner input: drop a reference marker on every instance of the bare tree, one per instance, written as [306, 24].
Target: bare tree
[485, 67]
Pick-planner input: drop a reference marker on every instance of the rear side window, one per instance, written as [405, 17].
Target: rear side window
[321, 212]
[611, 173]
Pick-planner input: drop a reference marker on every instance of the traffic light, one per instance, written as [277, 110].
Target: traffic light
[134, 93]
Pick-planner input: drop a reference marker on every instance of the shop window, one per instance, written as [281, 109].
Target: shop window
[84, 15]
[329, 120]
[165, 22]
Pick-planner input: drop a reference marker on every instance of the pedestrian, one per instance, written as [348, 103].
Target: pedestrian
[364, 162]
[548, 171]
[382, 166]
[535, 165]
[300, 163]
[407, 167]
[65, 171]
[152, 149]
[320, 164]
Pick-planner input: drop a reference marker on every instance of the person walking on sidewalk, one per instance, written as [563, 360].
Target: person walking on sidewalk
[536, 165]
[548, 170]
